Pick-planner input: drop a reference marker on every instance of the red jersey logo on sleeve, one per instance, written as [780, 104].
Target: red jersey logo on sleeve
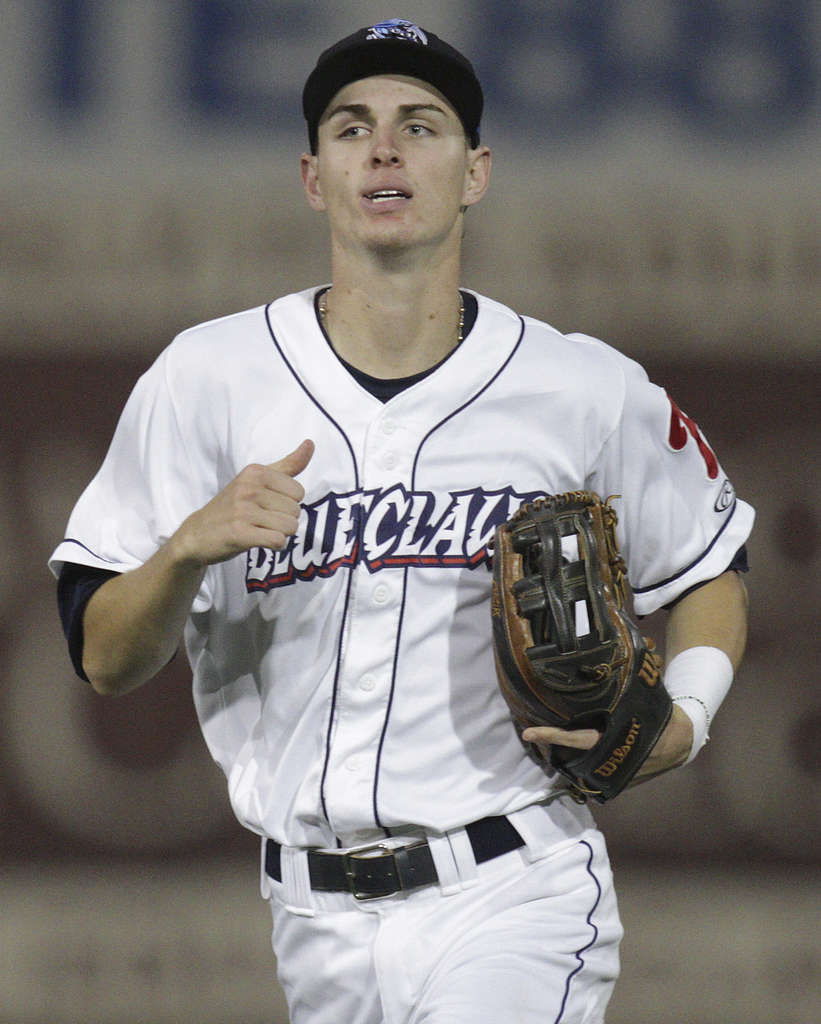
[682, 427]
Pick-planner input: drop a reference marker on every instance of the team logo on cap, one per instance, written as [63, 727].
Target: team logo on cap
[396, 28]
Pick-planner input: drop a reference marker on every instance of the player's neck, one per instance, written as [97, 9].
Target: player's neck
[394, 324]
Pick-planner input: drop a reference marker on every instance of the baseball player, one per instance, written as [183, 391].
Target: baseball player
[307, 491]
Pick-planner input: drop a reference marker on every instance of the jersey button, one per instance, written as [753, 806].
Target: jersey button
[367, 683]
[381, 594]
[391, 460]
[388, 427]
[352, 764]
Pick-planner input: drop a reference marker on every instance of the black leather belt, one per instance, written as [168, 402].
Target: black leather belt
[379, 870]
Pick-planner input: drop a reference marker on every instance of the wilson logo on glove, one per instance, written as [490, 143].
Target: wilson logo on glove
[650, 671]
[620, 753]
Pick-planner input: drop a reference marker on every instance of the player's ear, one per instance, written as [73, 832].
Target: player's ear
[477, 175]
[310, 181]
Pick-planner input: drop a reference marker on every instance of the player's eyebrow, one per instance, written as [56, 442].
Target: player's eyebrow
[414, 108]
[365, 112]
[355, 109]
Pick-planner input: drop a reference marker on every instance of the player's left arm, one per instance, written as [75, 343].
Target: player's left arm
[712, 616]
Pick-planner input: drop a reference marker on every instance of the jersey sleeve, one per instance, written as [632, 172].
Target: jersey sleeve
[154, 475]
[76, 585]
[680, 521]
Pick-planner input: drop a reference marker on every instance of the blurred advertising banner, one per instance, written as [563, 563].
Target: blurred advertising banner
[653, 161]
[739, 74]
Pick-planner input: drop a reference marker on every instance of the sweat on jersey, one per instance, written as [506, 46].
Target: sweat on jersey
[346, 683]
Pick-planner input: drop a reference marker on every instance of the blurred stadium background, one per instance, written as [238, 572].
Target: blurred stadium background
[656, 184]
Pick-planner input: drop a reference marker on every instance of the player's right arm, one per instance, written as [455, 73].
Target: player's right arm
[133, 622]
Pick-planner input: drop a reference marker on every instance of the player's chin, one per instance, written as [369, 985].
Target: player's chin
[390, 240]
[404, 234]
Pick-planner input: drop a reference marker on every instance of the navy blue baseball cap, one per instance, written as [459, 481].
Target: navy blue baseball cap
[394, 47]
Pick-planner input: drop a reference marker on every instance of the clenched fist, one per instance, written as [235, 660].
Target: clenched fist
[259, 508]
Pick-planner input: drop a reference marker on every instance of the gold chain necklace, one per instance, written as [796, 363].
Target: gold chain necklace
[322, 307]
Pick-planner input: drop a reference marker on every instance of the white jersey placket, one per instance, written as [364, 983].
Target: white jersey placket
[366, 682]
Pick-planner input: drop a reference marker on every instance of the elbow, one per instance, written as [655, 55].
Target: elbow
[112, 677]
[103, 684]
[106, 688]
[106, 681]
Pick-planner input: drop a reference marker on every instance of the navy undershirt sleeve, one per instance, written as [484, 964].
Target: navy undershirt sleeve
[75, 587]
[739, 563]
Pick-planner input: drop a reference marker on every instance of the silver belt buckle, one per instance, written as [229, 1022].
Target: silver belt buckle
[363, 854]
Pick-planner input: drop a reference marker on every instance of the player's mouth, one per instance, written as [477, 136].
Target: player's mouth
[387, 199]
[384, 195]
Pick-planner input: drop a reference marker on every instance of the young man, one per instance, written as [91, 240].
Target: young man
[308, 490]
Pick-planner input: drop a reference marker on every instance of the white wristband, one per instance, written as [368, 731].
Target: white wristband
[698, 680]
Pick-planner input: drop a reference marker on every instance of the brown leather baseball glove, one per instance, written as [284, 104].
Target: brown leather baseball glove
[567, 655]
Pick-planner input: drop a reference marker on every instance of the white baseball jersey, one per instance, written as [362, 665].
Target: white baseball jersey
[346, 683]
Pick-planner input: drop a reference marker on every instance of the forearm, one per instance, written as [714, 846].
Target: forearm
[713, 619]
[133, 623]
[706, 637]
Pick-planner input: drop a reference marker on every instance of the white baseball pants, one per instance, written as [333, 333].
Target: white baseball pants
[517, 941]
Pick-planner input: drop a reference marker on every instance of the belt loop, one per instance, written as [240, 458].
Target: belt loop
[445, 864]
[464, 858]
[296, 882]
[265, 887]
[544, 830]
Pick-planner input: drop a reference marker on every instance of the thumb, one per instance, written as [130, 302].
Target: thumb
[293, 463]
[581, 739]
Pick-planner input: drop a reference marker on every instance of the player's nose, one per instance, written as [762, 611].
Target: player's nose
[385, 150]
